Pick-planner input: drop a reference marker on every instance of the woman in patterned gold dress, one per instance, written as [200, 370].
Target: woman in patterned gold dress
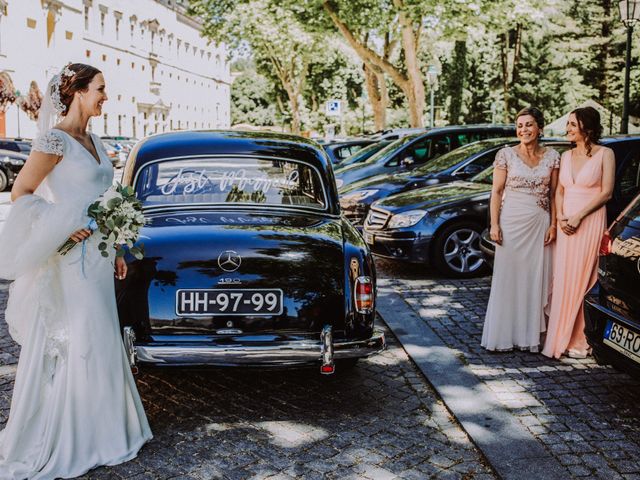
[523, 227]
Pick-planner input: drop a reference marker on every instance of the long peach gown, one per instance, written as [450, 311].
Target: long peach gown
[576, 258]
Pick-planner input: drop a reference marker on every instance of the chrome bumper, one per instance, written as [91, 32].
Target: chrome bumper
[273, 354]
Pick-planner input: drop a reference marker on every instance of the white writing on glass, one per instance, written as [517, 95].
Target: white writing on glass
[196, 181]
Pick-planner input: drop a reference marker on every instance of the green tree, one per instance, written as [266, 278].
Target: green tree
[273, 35]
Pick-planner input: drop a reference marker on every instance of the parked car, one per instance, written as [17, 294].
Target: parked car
[338, 151]
[410, 152]
[612, 308]
[11, 162]
[248, 261]
[396, 133]
[459, 164]
[364, 153]
[627, 152]
[19, 145]
[118, 149]
[438, 225]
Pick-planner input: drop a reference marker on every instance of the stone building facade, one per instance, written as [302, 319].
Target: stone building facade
[161, 74]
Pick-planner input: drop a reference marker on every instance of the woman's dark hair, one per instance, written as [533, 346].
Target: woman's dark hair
[589, 124]
[536, 113]
[82, 76]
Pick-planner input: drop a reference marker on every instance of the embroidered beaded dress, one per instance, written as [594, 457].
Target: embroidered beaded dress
[75, 405]
[521, 281]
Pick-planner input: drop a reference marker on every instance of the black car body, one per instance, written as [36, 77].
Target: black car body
[411, 151]
[339, 151]
[459, 164]
[248, 261]
[612, 308]
[438, 225]
[626, 149]
[19, 145]
[11, 162]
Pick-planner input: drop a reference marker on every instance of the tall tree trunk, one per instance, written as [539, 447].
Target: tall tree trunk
[510, 66]
[410, 83]
[378, 96]
[415, 83]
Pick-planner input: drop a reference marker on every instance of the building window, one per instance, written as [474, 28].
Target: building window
[133, 65]
[106, 130]
[104, 58]
[87, 53]
[117, 29]
[86, 17]
[133, 126]
[119, 124]
[133, 28]
[102, 17]
[31, 23]
[68, 35]
[117, 61]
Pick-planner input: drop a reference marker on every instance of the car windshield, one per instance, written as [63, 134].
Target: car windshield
[364, 153]
[452, 158]
[239, 180]
[396, 144]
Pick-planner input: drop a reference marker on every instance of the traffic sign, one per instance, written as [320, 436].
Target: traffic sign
[333, 108]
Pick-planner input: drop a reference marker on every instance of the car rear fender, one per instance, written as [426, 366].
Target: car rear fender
[358, 262]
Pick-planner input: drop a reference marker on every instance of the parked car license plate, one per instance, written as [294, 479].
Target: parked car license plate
[368, 238]
[622, 339]
[229, 301]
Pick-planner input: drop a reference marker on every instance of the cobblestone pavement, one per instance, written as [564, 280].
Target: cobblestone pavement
[380, 420]
[586, 415]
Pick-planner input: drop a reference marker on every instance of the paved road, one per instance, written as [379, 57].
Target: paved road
[586, 415]
[380, 420]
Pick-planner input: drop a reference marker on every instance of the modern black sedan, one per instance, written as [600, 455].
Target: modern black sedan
[460, 164]
[438, 225]
[410, 152]
[612, 308]
[248, 261]
[11, 163]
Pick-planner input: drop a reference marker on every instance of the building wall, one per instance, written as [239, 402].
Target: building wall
[160, 74]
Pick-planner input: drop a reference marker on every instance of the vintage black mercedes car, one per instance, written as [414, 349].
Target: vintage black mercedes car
[248, 261]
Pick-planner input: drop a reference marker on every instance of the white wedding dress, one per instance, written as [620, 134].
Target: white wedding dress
[75, 405]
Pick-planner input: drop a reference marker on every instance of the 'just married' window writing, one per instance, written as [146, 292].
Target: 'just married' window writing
[231, 181]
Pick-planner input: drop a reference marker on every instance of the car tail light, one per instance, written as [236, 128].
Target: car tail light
[605, 244]
[363, 292]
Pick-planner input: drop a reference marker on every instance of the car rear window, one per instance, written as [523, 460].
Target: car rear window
[233, 180]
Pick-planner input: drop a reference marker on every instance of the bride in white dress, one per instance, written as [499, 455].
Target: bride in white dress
[75, 405]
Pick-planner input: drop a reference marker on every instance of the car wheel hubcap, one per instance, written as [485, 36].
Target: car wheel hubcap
[462, 251]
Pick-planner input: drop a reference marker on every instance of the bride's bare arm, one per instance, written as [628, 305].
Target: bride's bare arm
[36, 168]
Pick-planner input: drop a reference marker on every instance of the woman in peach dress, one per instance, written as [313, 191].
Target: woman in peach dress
[585, 185]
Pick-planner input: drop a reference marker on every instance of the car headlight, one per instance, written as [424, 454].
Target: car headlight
[406, 219]
[358, 195]
[18, 162]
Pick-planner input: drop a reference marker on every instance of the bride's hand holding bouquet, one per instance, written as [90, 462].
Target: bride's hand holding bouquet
[117, 214]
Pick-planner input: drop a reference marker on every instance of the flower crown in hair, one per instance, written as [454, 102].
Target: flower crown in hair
[55, 88]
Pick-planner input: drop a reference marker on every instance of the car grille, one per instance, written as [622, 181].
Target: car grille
[376, 219]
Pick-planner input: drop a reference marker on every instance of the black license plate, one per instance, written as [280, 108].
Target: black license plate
[229, 301]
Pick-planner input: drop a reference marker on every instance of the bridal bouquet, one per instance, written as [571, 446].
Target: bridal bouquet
[117, 214]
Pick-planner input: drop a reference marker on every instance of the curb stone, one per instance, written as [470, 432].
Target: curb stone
[509, 447]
